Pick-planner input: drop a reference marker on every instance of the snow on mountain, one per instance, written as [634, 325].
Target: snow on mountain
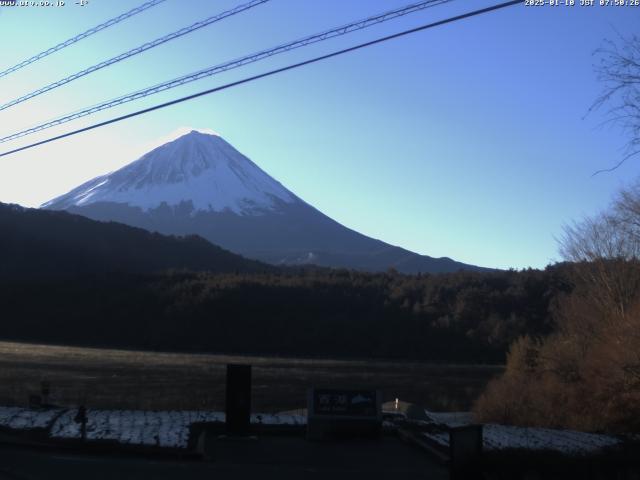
[200, 168]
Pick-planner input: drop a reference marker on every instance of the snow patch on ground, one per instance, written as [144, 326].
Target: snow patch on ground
[18, 418]
[451, 419]
[504, 437]
[501, 437]
[169, 429]
[277, 419]
[65, 426]
[134, 427]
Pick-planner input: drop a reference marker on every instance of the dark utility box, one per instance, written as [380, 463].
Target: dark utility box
[238, 399]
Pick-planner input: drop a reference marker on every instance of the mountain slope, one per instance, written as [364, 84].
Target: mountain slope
[36, 242]
[199, 184]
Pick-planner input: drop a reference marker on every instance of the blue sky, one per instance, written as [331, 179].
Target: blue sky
[468, 140]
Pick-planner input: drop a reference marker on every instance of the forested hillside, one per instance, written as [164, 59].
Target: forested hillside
[458, 317]
[37, 243]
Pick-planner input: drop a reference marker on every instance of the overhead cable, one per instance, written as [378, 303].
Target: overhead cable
[268, 74]
[135, 51]
[82, 36]
[254, 57]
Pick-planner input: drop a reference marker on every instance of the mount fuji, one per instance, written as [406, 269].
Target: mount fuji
[200, 184]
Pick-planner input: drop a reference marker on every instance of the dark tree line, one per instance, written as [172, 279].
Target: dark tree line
[457, 317]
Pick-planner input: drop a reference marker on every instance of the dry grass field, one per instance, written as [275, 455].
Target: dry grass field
[104, 378]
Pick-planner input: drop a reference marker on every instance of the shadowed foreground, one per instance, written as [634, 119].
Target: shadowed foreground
[265, 458]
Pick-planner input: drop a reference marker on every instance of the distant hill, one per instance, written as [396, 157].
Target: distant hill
[66, 279]
[43, 243]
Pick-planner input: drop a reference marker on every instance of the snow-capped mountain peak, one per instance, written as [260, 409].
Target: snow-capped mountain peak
[222, 196]
[201, 168]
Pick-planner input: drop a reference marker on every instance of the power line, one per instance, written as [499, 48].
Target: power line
[135, 51]
[254, 57]
[269, 73]
[82, 36]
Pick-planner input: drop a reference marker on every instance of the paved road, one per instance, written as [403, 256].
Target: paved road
[281, 458]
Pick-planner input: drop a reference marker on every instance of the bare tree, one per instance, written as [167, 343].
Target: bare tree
[605, 252]
[586, 375]
[619, 71]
